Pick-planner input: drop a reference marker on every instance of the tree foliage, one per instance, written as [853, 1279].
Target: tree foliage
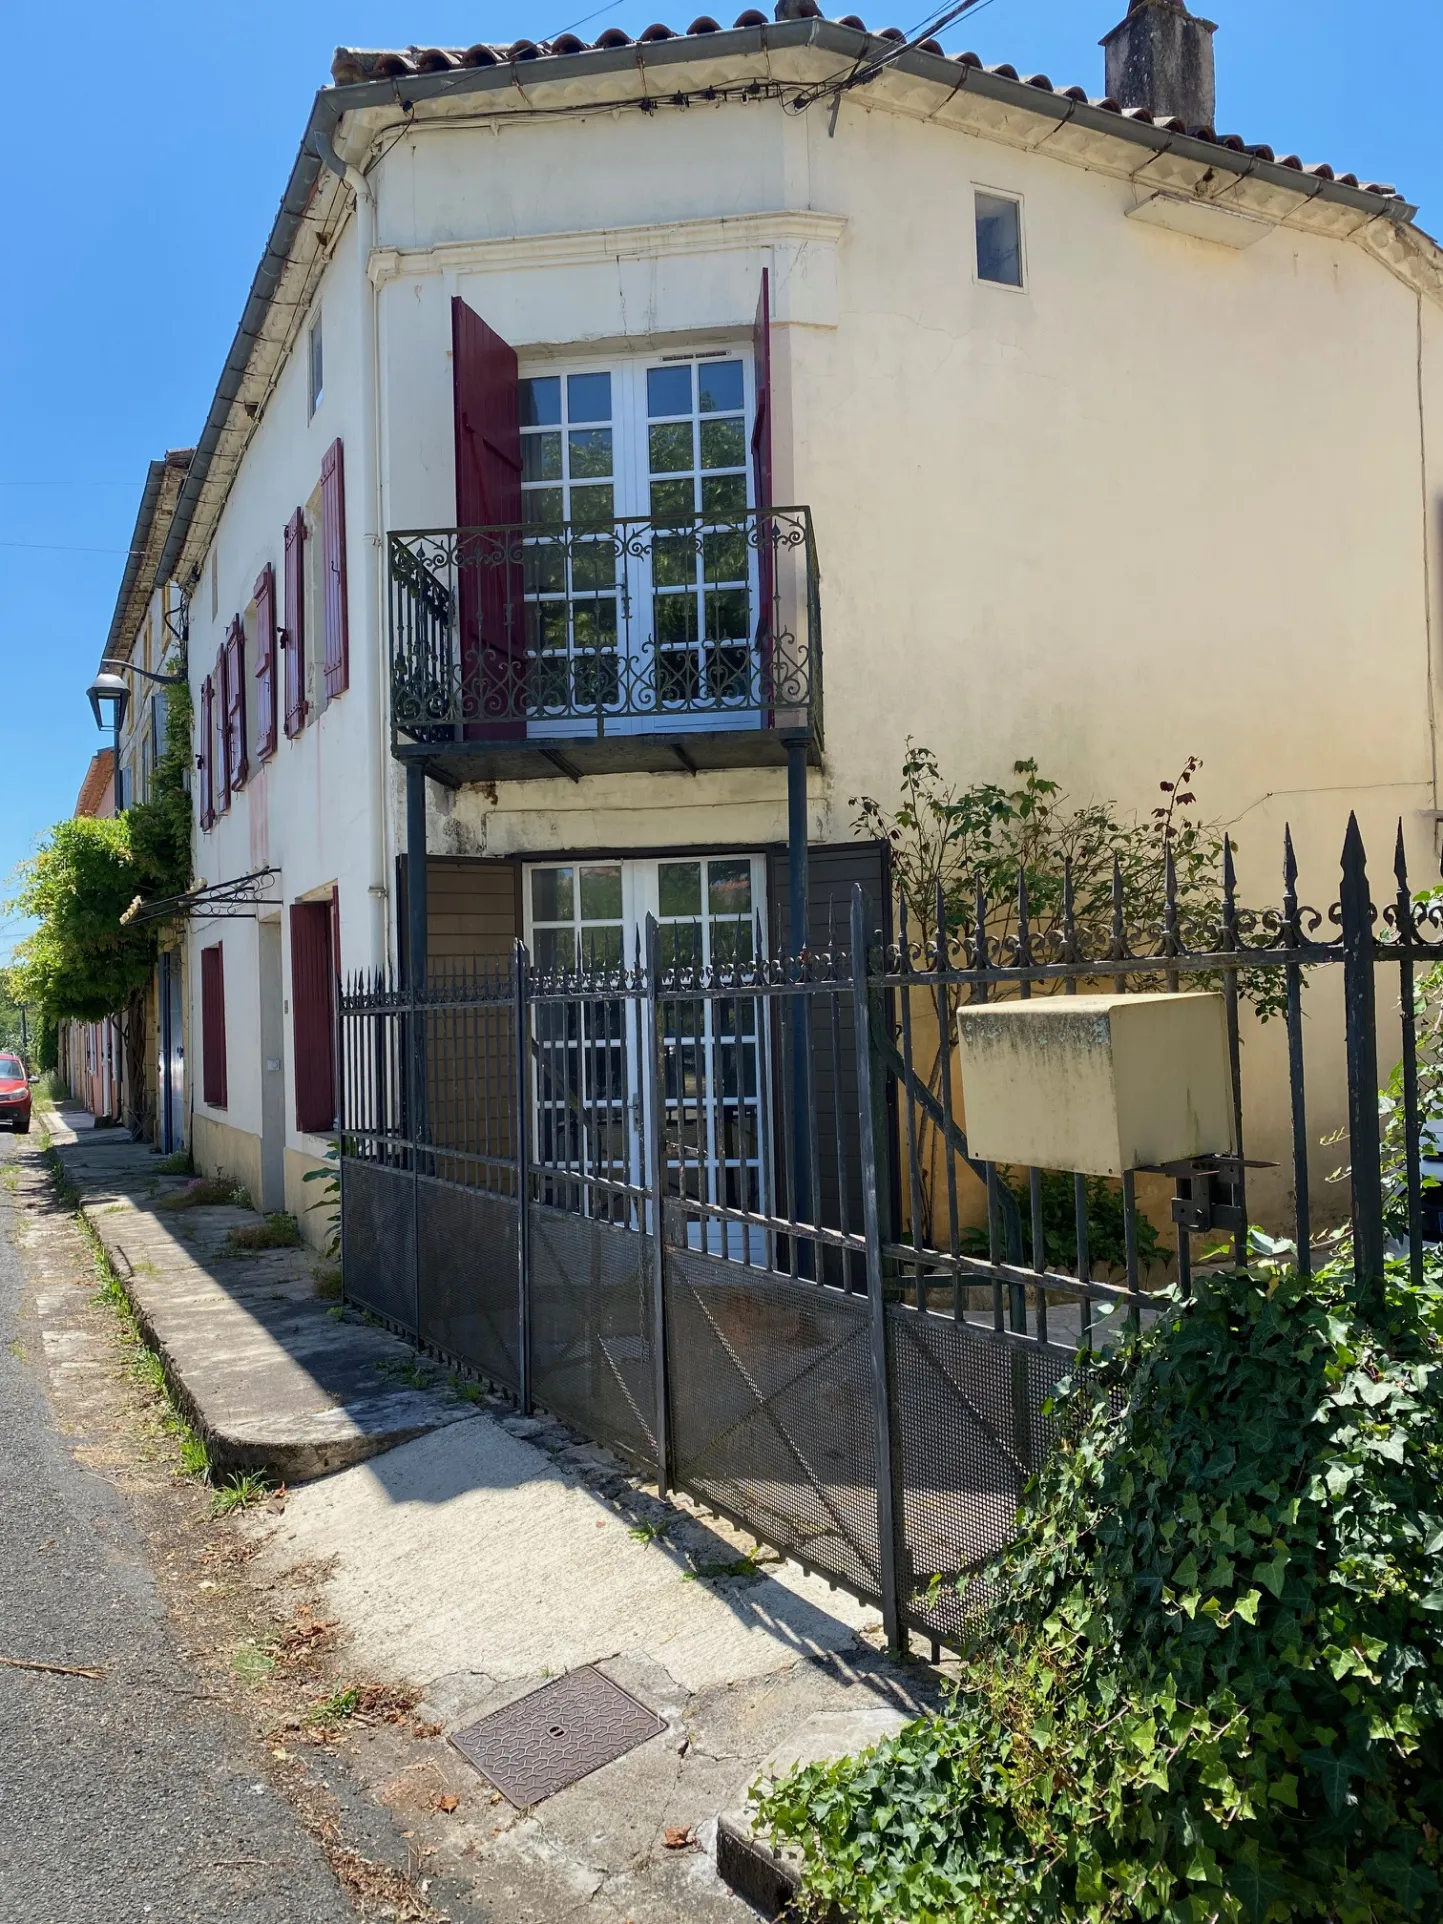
[83, 961]
[1211, 1686]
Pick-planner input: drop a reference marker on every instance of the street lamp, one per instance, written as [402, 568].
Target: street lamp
[110, 699]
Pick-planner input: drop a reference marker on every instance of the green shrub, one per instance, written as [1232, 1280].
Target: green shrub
[1106, 1231]
[1212, 1684]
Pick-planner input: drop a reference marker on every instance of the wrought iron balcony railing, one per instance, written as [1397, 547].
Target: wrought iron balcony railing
[590, 646]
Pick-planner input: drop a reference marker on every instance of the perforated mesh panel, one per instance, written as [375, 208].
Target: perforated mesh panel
[772, 1409]
[378, 1231]
[469, 1278]
[968, 1432]
[591, 1353]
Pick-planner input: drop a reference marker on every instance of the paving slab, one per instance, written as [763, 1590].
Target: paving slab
[274, 1377]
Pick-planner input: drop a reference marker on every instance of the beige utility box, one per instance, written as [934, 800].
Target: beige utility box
[1097, 1083]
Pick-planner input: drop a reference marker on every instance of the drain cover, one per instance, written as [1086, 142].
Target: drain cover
[556, 1736]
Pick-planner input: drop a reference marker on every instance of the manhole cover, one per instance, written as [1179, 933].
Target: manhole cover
[556, 1736]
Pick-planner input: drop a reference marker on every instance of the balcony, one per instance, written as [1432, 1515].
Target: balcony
[635, 644]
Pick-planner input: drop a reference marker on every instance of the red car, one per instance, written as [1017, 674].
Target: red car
[14, 1094]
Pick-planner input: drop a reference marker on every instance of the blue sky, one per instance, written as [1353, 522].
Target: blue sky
[147, 151]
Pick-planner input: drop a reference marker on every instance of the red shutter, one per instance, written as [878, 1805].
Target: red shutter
[486, 394]
[265, 594]
[237, 764]
[762, 481]
[313, 1015]
[293, 637]
[212, 1027]
[206, 756]
[221, 735]
[333, 559]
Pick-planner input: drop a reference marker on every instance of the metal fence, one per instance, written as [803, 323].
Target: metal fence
[724, 1217]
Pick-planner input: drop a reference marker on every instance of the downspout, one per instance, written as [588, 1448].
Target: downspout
[370, 539]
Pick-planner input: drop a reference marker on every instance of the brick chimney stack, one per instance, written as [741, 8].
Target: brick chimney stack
[1161, 57]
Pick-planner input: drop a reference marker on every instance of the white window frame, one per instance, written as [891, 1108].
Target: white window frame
[315, 351]
[1009, 194]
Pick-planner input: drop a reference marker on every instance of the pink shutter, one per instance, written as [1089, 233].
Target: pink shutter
[212, 1027]
[762, 482]
[206, 756]
[265, 596]
[313, 1014]
[333, 559]
[237, 762]
[221, 735]
[486, 395]
[293, 634]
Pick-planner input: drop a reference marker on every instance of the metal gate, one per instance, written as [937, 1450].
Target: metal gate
[852, 1351]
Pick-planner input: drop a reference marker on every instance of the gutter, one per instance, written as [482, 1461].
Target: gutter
[662, 58]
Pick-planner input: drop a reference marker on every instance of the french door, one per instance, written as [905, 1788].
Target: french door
[591, 1093]
[642, 622]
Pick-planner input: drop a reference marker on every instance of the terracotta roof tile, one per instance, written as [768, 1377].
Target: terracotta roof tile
[354, 66]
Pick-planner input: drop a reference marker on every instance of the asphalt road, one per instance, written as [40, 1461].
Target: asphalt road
[128, 1800]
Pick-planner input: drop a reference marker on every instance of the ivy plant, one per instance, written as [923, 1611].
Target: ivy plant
[1211, 1683]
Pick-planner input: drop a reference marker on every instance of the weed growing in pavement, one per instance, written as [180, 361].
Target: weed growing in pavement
[335, 1709]
[710, 1572]
[280, 1230]
[208, 1192]
[253, 1661]
[415, 1373]
[240, 1491]
[652, 1532]
[328, 1282]
[464, 1392]
[180, 1163]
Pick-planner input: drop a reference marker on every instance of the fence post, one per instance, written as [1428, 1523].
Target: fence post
[876, 1302]
[521, 1017]
[656, 1186]
[1356, 910]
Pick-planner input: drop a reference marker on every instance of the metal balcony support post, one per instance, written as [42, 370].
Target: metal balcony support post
[417, 939]
[801, 1144]
[522, 1019]
[882, 1414]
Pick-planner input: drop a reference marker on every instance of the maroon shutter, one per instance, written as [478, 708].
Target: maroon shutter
[212, 1027]
[221, 734]
[762, 485]
[335, 625]
[237, 765]
[313, 1015]
[206, 755]
[293, 638]
[265, 594]
[486, 394]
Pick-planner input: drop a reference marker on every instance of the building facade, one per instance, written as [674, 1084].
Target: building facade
[1034, 425]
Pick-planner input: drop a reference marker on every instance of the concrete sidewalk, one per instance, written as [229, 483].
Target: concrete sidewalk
[268, 1372]
[472, 1554]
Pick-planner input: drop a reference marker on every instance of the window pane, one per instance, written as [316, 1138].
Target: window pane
[723, 444]
[673, 560]
[555, 949]
[671, 448]
[668, 391]
[541, 457]
[680, 888]
[544, 568]
[671, 501]
[726, 614]
[592, 505]
[723, 495]
[588, 397]
[721, 386]
[541, 505]
[601, 893]
[675, 620]
[551, 894]
[729, 887]
[590, 453]
[999, 240]
[541, 402]
[595, 623]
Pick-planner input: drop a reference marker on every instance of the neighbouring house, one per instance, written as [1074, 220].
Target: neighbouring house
[590, 400]
[90, 1055]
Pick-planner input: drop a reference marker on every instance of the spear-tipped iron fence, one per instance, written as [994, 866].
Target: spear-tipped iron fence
[804, 1299]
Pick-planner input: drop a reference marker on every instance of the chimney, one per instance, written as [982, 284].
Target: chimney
[1161, 58]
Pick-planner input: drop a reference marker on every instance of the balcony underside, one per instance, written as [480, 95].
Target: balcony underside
[650, 752]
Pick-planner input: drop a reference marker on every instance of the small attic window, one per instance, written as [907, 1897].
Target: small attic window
[999, 239]
[316, 364]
